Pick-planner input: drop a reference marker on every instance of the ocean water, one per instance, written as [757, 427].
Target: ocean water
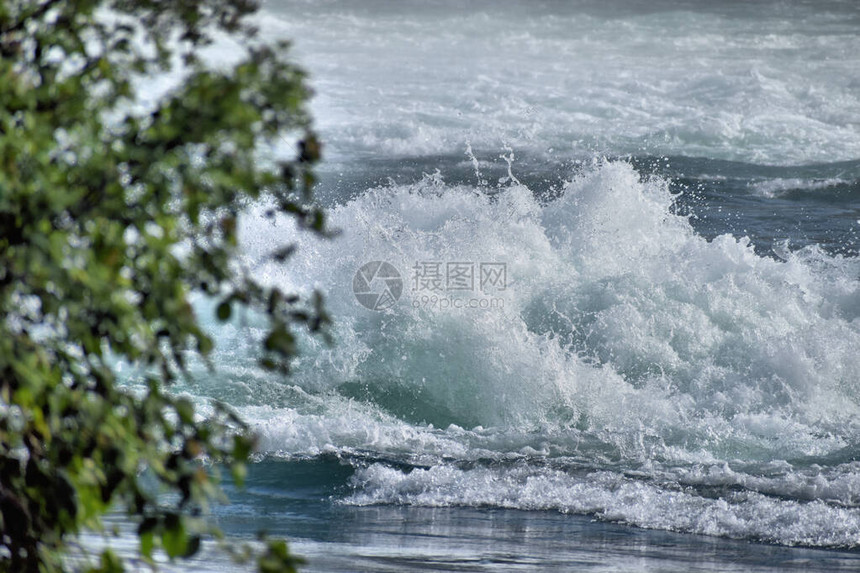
[619, 324]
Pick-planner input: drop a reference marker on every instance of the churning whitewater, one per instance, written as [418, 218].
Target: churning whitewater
[636, 371]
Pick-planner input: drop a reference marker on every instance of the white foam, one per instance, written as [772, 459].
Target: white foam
[779, 186]
[612, 496]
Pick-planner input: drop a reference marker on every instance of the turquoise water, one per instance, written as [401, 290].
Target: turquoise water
[667, 377]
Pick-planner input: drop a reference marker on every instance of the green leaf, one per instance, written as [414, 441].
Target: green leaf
[174, 538]
[282, 341]
[109, 563]
[239, 472]
[192, 547]
[185, 410]
[224, 310]
[147, 542]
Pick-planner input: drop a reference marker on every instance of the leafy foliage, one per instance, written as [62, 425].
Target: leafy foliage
[111, 213]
